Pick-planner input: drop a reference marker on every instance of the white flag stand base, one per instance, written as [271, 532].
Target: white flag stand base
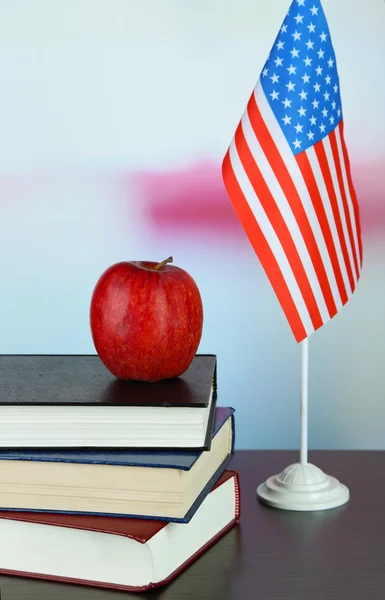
[303, 487]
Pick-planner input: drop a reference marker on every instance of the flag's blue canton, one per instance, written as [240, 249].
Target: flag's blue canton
[300, 78]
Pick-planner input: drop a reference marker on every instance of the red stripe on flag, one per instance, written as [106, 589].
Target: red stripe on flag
[352, 190]
[278, 223]
[323, 162]
[262, 249]
[337, 162]
[290, 191]
[314, 193]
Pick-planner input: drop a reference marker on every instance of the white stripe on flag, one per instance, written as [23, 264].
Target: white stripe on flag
[287, 213]
[313, 159]
[298, 180]
[271, 237]
[347, 191]
[333, 172]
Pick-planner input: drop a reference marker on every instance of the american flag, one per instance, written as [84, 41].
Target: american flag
[287, 174]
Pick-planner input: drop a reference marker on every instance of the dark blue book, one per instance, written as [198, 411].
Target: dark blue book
[167, 485]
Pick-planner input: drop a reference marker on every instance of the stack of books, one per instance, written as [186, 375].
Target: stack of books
[111, 483]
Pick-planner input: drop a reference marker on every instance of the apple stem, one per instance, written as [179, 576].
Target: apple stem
[164, 262]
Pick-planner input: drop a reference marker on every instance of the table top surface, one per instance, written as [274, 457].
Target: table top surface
[274, 554]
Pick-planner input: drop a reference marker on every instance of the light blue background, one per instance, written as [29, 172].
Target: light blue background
[93, 91]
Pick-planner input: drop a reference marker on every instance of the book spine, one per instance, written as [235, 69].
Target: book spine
[232, 432]
[237, 490]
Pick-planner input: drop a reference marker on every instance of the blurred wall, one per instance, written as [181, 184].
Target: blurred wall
[114, 118]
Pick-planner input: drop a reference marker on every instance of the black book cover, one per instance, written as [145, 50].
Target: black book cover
[71, 380]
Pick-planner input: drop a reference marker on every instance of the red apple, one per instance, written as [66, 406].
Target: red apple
[146, 320]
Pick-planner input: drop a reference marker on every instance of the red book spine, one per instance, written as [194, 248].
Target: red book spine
[237, 497]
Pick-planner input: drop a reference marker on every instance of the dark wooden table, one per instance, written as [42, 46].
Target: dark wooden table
[281, 555]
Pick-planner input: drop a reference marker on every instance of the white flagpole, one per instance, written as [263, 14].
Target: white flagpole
[303, 486]
[304, 399]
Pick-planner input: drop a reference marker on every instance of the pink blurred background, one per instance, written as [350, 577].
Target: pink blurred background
[114, 120]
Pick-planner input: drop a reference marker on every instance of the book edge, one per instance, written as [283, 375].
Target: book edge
[211, 484]
[196, 451]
